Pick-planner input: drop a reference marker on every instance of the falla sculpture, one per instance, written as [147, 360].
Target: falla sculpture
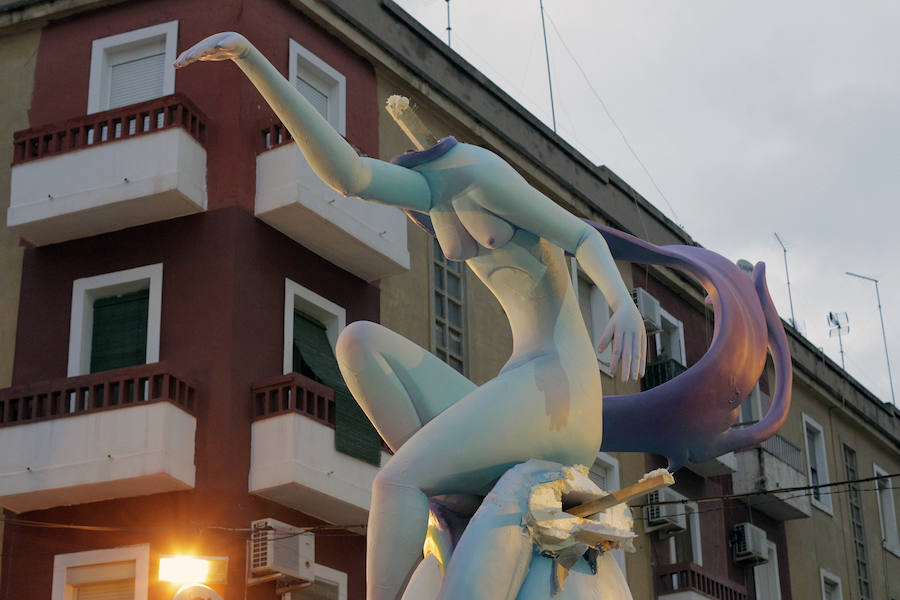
[480, 474]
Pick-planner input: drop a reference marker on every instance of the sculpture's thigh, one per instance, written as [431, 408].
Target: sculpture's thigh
[538, 410]
[398, 384]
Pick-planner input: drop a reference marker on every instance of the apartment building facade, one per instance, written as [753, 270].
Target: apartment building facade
[176, 200]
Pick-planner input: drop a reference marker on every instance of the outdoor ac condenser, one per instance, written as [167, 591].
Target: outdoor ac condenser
[281, 551]
[668, 519]
[648, 306]
[749, 545]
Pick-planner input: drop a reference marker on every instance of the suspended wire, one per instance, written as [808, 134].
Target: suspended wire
[611, 119]
[342, 530]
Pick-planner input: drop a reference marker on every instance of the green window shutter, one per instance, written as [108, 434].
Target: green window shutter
[119, 336]
[353, 433]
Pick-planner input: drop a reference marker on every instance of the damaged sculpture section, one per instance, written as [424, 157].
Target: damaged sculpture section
[522, 531]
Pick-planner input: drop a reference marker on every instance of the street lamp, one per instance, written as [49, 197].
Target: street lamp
[194, 572]
[883, 334]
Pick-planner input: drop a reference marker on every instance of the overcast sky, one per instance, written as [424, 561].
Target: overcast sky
[752, 117]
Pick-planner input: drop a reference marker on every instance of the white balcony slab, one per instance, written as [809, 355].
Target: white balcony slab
[760, 470]
[293, 462]
[720, 465]
[108, 187]
[119, 453]
[364, 238]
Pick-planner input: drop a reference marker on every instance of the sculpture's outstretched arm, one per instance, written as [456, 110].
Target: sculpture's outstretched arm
[330, 156]
[506, 194]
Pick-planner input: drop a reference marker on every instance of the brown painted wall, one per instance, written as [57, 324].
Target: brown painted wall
[221, 91]
[222, 325]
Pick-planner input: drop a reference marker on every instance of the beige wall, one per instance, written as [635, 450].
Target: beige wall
[17, 58]
[825, 541]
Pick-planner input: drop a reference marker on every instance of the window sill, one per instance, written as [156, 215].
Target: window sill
[825, 508]
[892, 549]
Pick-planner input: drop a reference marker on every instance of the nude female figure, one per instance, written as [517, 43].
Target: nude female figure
[449, 436]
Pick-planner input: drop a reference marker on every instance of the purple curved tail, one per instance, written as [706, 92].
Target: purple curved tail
[689, 417]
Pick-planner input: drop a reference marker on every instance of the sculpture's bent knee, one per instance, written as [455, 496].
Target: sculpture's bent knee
[355, 340]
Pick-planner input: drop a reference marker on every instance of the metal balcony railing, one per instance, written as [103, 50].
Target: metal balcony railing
[120, 388]
[109, 126]
[293, 393]
[688, 576]
[784, 449]
[661, 371]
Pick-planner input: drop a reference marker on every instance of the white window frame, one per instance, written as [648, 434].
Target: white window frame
[692, 518]
[887, 513]
[828, 576]
[755, 403]
[104, 48]
[600, 316]
[611, 464]
[825, 504]
[771, 565]
[326, 312]
[88, 289]
[665, 320]
[302, 61]
[140, 554]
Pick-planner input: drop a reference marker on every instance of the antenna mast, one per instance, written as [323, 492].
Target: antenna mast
[839, 327]
[448, 23]
[547, 55]
[883, 334]
[790, 298]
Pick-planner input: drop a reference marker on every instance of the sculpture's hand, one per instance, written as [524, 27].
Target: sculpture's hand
[629, 341]
[220, 46]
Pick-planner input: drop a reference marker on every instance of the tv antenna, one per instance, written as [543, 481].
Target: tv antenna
[547, 55]
[840, 326]
[448, 24]
[790, 298]
[883, 334]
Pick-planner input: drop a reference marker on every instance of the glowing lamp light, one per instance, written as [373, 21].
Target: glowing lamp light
[193, 569]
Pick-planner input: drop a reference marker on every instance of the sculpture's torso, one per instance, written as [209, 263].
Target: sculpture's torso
[528, 275]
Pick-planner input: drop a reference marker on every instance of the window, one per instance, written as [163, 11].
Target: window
[311, 328]
[448, 289]
[685, 546]
[132, 67]
[115, 320]
[111, 574]
[321, 84]
[670, 341]
[857, 524]
[831, 586]
[766, 577]
[817, 463]
[750, 407]
[605, 473]
[595, 311]
[887, 512]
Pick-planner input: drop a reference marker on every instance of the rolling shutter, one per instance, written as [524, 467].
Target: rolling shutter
[119, 337]
[136, 80]
[108, 590]
[353, 433]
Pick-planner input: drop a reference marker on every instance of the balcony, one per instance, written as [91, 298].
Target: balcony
[687, 581]
[661, 371]
[116, 434]
[720, 465]
[108, 171]
[364, 238]
[293, 460]
[775, 464]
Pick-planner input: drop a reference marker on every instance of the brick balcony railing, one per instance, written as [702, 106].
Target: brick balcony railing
[273, 134]
[292, 393]
[120, 388]
[688, 576]
[109, 126]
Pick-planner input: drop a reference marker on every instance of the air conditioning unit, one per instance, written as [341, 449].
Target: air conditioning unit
[749, 545]
[648, 306]
[280, 552]
[667, 519]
